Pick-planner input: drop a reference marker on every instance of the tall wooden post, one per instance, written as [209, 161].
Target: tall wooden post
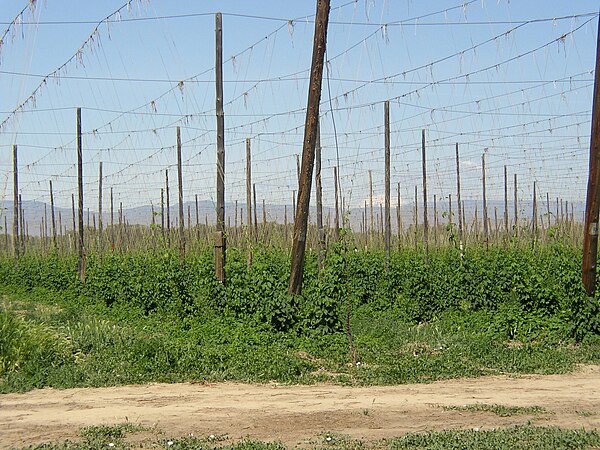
[592, 207]
[371, 224]
[53, 218]
[336, 231]
[506, 202]
[180, 198]
[162, 212]
[248, 185]
[112, 220]
[167, 193]
[255, 215]
[80, 192]
[416, 218]
[486, 231]
[308, 148]
[516, 208]
[220, 240]
[388, 223]
[16, 245]
[534, 223]
[458, 201]
[100, 207]
[319, 195]
[425, 219]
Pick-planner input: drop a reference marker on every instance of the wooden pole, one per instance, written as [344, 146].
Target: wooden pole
[255, 215]
[534, 223]
[180, 198]
[516, 208]
[458, 201]
[336, 231]
[371, 225]
[80, 192]
[388, 223]
[162, 211]
[220, 239]
[112, 220]
[100, 230]
[16, 245]
[168, 204]
[248, 185]
[53, 218]
[592, 207]
[425, 219]
[506, 202]
[416, 218]
[486, 231]
[308, 148]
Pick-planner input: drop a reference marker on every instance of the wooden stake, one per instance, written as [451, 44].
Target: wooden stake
[248, 185]
[486, 231]
[336, 231]
[516, 208]
[506, 202]
[180, 198]
[388, 223]
[53, 218]
[425, 219]
[82, 256]
[220, 239]
[16, 245]
[100, 221]
[308, 148]
[460, 208]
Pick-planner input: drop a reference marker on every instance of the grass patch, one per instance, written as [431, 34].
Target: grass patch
[522, 437]
[50, 341]
[499, 410]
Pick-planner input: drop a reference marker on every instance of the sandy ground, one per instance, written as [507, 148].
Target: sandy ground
[298, 415]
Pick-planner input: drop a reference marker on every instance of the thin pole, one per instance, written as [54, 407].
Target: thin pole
[168, 204]
[100, 207]
[388, 223]
[248, 185]
[308, 148]
[506, 202]
[534, 224]
[180, 186]
[336, 231]
[80, 192]
[371, 227]
[16, 245]
[220, 239]
[425, 220]
[112, 220]
[53, 218]
[486, 231]
[458, 201]
[516, 208]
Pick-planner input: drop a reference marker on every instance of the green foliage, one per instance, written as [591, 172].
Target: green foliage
[522, 437]
[499, 410]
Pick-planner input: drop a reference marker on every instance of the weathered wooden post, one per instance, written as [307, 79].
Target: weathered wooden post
[220, 239]
[308, 149]
[82, 256]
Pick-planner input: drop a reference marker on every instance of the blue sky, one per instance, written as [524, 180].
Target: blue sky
[512, 80]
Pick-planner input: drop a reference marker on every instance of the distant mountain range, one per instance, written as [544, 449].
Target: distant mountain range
[34, 212]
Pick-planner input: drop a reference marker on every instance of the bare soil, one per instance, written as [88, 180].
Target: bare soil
[299, 415]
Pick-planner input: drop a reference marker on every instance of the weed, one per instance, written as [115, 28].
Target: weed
[499, 410]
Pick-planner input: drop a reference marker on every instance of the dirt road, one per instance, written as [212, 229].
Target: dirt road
[296, 415]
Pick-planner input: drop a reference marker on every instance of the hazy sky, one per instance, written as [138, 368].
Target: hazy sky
[512, 80]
